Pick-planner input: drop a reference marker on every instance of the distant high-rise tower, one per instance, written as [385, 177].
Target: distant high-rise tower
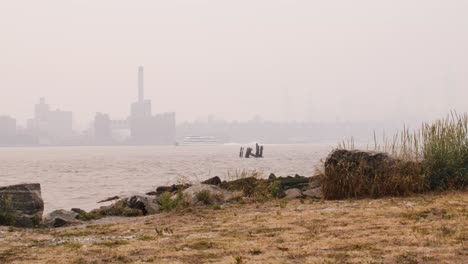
[141, 108]
[146, 128]
[141, 91]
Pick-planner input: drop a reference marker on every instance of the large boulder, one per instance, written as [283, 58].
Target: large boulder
[21, 205]
[358, 174]
[60, 218]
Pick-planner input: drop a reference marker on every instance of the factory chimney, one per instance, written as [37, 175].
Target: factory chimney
[141, 92]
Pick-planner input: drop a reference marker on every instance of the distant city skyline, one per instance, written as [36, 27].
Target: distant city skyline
[141, 127]
[55, 127]
[314, 61]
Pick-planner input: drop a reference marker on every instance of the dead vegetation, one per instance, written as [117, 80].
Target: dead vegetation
[431, 228]
[431, 158]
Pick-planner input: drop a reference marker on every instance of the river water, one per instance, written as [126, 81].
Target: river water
[81, 176]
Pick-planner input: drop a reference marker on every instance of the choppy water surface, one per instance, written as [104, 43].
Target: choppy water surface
[80, 176]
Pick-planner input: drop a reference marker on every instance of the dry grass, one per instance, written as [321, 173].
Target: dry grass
[422, 229]
[358, 174]
[434, 157]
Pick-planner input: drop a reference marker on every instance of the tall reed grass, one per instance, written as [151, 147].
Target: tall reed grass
[444, 152]
[433, 157]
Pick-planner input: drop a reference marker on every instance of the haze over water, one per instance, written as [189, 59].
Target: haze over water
[81, 176]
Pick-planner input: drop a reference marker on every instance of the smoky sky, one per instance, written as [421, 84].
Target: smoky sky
[280, 59]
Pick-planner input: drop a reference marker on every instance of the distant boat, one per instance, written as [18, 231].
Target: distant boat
[200, 140]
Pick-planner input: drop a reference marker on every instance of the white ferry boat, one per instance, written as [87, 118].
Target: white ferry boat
[200, 140]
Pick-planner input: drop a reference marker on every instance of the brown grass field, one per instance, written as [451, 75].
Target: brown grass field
[431, 228]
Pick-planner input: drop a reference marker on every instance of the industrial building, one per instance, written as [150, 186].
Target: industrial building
[50, 127]
[142, 126]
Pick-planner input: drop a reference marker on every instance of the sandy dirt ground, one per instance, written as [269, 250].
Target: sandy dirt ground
[429, 228]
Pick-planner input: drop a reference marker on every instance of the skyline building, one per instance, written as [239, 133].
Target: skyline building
[50, 127]
[145, 128]
[102, 129]
[142, 107]
[7, 130]
[7, 125]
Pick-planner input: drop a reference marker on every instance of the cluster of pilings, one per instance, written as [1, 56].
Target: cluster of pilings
[248, 152]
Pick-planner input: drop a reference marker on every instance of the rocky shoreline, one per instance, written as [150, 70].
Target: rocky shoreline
[250, 219]
[23, 206]
[428, 228]
[347, 174]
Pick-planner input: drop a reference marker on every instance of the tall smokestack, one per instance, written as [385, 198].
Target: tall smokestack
[141, 92]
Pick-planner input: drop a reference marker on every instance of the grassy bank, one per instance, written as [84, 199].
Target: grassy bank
[432, 158]
[431, 228]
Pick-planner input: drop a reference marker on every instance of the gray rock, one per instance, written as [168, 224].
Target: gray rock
[171, 189]
[292, 193]
[147, 204]
[313, 193]
[78, 211]
[213, 181]
[217, 194]
[60, 218]
[21, 205]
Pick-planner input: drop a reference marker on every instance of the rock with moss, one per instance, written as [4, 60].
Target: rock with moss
[21, 205]
[290, 182]
[135, 205]
[205, 194]
[147, 204]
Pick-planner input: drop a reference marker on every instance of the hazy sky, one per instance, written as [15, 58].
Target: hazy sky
[311, 60]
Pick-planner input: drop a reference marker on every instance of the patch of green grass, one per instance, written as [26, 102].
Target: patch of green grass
[216, 207]
[445, 152]
[169, 203]
[88, 216]
[72, 245]
[254, 186]
[205, 197]
[146, 238]
[119, 209]
[275, 189]
[112, 243]
[283, 203]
